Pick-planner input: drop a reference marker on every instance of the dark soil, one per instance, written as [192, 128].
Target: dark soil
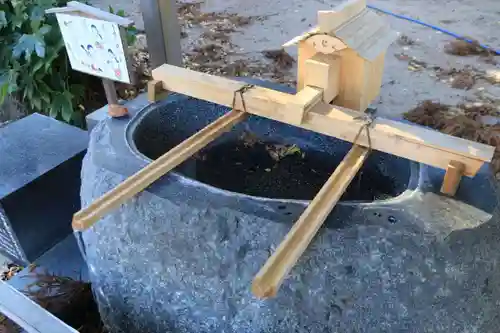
[70, 300]
[238, 167]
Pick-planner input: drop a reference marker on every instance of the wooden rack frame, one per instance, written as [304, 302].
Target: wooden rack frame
[412, 142]
[322, 80]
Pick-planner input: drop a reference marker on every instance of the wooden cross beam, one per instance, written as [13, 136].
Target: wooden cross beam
[272, 274]
[408, 141]
[136, 183]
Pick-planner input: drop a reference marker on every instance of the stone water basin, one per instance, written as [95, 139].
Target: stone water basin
[394, 255]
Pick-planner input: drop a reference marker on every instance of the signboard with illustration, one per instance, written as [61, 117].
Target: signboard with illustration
[95, 46]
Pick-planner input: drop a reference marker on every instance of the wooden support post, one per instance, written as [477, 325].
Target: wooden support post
[114, 108]
[272, 274]
[136, 183]
[305, 51]
[452, 178]
[323, 71]
[163, 31]
[155, 91]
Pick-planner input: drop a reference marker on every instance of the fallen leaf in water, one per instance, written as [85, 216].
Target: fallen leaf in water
[249, 139]
[278, 152]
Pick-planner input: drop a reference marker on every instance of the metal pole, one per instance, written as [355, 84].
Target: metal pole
[163, 32]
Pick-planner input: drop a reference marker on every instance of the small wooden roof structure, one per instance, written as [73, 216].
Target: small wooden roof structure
[86, 10]
[367, 34]
[354, 25]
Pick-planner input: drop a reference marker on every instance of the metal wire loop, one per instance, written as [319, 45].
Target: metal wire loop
[243, 89]
[368, 118]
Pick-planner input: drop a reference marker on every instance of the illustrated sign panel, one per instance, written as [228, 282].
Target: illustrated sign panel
[94, 46]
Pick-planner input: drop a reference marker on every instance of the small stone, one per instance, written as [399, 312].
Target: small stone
[493, 76]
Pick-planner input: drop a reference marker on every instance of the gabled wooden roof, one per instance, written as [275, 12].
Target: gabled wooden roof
[367, 33]
[361, 29]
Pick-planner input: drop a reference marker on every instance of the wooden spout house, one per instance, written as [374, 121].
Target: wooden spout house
[354, 40]
[340, 68]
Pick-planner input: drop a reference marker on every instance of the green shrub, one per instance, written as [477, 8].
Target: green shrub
[34, 66]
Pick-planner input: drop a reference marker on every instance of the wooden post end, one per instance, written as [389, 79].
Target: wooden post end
[452, 178]
[156, 91]
[117, 111]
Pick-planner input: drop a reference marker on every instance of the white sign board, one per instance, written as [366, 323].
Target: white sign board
[94, 46]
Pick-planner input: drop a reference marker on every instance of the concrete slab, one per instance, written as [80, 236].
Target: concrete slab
[39, 184]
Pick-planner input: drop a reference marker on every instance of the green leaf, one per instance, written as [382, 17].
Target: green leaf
[13, 78]
[53, 54]
[36, 104]
[3, 20]
[57, 105]
[67, 111]
[45, 29]
[19, 16]
[44, 91]
[37, 13]
[78, 91]
[111, 10]
[18, 4]
[121, 13]
[62, 105]
[131, 35]
[36, 18]
[53, 111]
[27, 44]
[28, 92]
[39, 64]
[46, 4]
[78, 119]
[4, 87]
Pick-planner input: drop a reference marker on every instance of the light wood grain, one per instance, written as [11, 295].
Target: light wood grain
[354, 76]
[405, 140]
[329, 20]
[275, 270]
[155, 91]
[305, 52]
[302, 102]
[360, 80]
[326, 44]
[452, 178]
[136, 183]
[100, 14]
[295, 40]
[323, 71]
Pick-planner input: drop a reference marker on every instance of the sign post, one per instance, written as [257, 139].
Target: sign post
[96, 45]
